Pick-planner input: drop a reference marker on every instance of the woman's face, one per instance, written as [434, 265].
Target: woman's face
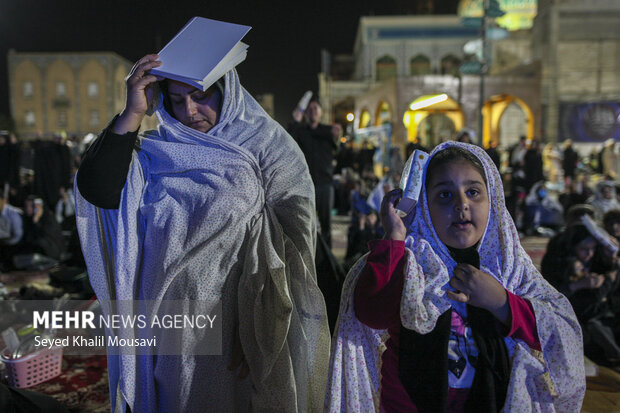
[458, 203]
[585, 250]
[194, 108]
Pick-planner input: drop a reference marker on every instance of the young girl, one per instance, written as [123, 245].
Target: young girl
[449, 313]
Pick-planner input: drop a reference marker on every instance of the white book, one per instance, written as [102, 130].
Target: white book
[202, 52]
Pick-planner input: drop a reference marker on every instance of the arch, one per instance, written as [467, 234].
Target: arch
[383, 113]
[386, 68]
[436, 128]
[445, 110]
[419, 65]
[364, 118]
[503, 111]
[450, 65]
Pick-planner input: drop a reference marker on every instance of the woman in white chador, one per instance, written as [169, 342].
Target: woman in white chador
[215, 205]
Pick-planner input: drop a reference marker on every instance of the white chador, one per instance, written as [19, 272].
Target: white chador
[225, 216]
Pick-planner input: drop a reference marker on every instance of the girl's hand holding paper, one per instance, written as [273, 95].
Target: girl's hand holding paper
[394, 226]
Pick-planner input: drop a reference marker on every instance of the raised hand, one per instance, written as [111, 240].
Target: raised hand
[137, 102]
[394, 226]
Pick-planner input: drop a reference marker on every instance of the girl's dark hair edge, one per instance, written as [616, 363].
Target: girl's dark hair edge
[452, 154]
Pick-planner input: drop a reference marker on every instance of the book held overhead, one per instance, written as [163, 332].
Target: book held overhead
[202, 52]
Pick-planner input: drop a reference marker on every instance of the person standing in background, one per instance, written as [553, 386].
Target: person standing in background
[318, 144]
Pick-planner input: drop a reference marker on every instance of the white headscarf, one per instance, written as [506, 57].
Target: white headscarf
[547, 381]
[225, 216]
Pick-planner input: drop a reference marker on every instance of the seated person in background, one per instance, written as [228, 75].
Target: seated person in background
[42, 234]
[366, 229]
[573, 194]
[587, 275]
[11, 231]
[65, 208]
[552, 258]
[543, 210]
[604, 199]
[611, 223]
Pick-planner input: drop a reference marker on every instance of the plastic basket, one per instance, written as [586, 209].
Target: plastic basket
[34, 368]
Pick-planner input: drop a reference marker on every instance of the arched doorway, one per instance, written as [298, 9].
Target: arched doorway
[432, 119]
[384, 113]
[435, 128]
[364, 119]
[506, 119]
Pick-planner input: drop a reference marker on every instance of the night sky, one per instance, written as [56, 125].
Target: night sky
[285, 40]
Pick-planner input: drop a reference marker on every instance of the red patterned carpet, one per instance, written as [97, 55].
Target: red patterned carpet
[82, 386]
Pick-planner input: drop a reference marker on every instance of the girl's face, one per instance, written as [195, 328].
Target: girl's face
[585, 250]
[458, 203]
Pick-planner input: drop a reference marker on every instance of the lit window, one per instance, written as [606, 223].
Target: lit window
[94, 118]
[62, 118]
[61, 89]
[29, 119]
[93, 89]
[28, 89]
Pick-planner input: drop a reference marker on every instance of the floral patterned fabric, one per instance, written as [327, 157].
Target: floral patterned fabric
[548, 381]
[224, 217]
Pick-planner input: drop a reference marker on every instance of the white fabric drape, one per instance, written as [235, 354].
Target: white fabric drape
[220, 216]
[549, 381]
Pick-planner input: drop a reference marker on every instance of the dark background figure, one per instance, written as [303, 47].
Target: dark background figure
[533, 165]
[42, 234]
[13, 400]
[11, 232]
[52, 169]
[586, 273]
[365, 229]
[411, 147]
[464, 136]
[345, 157]
[318, 143]
[611, 223]
[552, 260]
[9, 160]
[573, 195]
[570, 158]
[494, 154]
[366, 158]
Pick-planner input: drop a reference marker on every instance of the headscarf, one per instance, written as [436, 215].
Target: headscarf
[225, 216]
[547, 381]
[601, 204]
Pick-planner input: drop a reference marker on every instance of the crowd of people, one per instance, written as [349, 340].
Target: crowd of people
[548, 193]
[37, 206]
